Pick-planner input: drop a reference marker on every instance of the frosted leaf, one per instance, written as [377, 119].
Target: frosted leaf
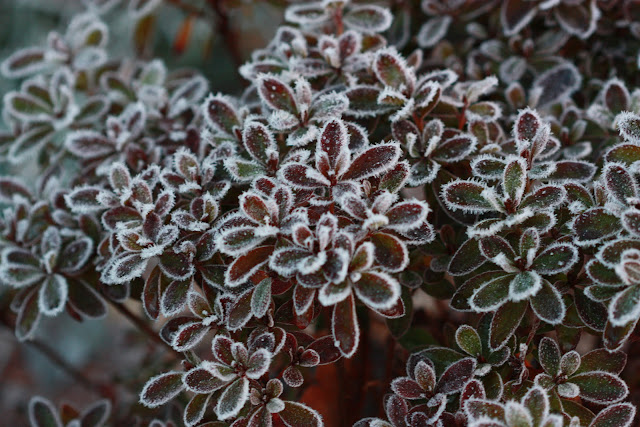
[232, 399]
[433, 31]
[161, 388]
[368, 18]
[556, 84]
[52, 295]
[628, 124]
[43, 413]
[25, 62]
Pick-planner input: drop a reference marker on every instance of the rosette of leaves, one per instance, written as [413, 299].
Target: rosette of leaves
[48, 277]
[402, 93]
[209, 312]
[433, 147]
[338, 168]
[532, 410]
[520, 283]
[42, 413]
[82, 47]
[223, 382]
[423, 385]
[520, 197]
[401, 414]
[43, 109]
[475, 343]
[266, 402]
[366, 18]
[298, 112]
[332, 274]
[594, 377]
[518, 56]
[576, 18]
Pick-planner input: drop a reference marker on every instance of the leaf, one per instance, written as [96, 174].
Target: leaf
[86, 300]
[591, 226]
[276, 94]
[368, 18]
[24, 62]
[243, 267]
[556, 84]
[467, 258]
[600, 387]
[469, 196]
[549, 356]
[433, 30]
[468, 340]
[548, 305]
[28, 317]
[97, 414]
[391, 69]
[84, 200]
[75, 255]
[363, 102]
[601, 359]
[555, 259]
[407, 388]
[516, 14]
[625, 306]
[620, 415]
[301, 176]
[505, 321]
[261, 298]
[628, 124]
[196, 408]
[220, 113]
[42, 413]
[578, 19]
[344, 327]
[373, 161]
[619, 182]
[259, 142]
[161, 389]
[456, 376]
[232, 399]
[332, 151]
[515, 179]
[491, 294]
[390, 252]
[240, 311]
[455, 149]
[52, 295]
[11, 188]
[376, 289]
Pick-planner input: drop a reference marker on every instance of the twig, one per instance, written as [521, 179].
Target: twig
[226, 32]
[144, 327]
[52, 355]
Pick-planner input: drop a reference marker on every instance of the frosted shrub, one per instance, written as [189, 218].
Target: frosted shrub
[460, 177]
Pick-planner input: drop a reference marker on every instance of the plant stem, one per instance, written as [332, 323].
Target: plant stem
[226, 32]
[54, 357]
[144, 327]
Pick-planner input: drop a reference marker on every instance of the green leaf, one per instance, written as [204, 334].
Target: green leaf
[600, 387]
[524, 285]
[491, 295]
[593, 225]
[505, 321]
[468, 340]
[548, 304]
[549, 356]
[42, 413]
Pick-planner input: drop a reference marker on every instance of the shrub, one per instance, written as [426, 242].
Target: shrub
[461, 172]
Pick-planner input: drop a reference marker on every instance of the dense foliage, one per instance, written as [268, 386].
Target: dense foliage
[483, 153]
